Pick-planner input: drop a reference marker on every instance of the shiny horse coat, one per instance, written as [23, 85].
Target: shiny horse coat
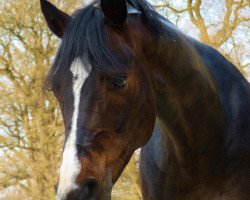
[201, 148]
[120, 67]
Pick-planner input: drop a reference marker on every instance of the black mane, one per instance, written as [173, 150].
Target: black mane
[85, 38]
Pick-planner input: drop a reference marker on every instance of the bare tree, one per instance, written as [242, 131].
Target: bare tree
[30, 121]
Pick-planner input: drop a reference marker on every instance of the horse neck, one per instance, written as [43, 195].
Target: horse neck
[187, 99]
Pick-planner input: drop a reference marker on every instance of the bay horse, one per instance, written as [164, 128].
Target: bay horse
[121, 67]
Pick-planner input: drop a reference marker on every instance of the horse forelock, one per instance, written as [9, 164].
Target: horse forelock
[86, 38]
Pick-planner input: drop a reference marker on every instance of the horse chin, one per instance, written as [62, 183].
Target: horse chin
[106, 189]
[106, 195]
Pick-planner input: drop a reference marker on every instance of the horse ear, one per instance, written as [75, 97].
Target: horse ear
[55, 18]
[115, 11]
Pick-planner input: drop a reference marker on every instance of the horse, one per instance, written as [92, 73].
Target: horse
[125, 78]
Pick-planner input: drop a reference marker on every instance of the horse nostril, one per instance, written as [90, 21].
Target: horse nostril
[90, 189]
[87, 190]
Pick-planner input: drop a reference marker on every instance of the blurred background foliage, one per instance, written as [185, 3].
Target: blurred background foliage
[31, 129]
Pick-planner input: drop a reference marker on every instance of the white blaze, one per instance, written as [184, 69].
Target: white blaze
[70, 166]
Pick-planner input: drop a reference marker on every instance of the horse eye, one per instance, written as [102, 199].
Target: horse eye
[120, 80]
